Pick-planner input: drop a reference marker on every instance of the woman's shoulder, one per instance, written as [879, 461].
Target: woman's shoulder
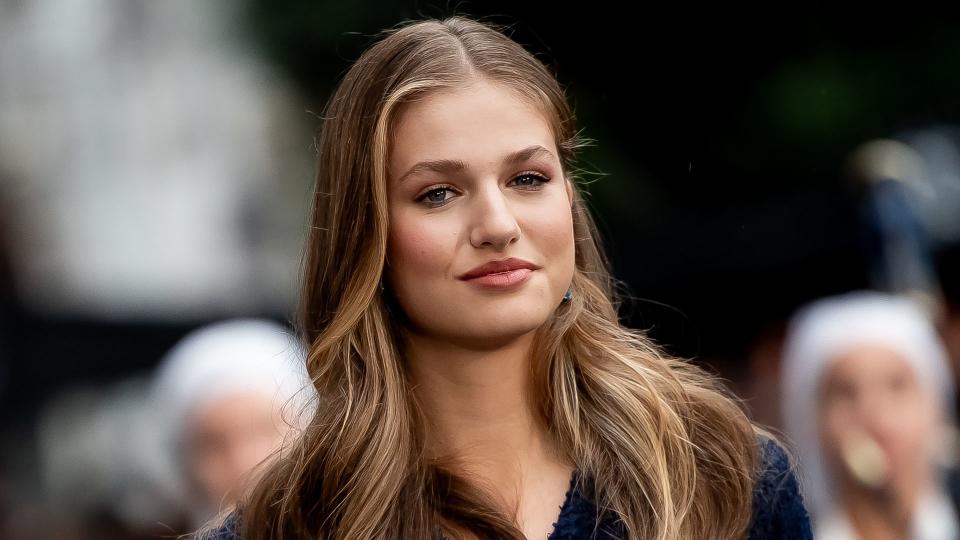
[228, 530]
[778, 509]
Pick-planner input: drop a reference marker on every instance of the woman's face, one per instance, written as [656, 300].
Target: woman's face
[871, 390]
[475, 178]
[227, 438]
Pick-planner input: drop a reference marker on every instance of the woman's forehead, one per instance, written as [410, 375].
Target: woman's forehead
[479, 124]
[867, 360]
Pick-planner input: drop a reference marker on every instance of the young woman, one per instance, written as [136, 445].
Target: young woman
[463, 338]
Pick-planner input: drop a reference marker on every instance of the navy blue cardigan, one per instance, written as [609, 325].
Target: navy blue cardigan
[778, 510]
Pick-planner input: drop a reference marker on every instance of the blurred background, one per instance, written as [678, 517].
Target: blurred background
[156, 165]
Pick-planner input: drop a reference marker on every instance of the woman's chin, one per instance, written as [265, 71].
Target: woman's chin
[495, 334]
[486, 323]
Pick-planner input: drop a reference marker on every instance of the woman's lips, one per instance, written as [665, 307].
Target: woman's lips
[501, 280]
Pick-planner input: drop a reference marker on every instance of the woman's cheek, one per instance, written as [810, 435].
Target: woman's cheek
[552, 226]
[836, 419]
[421, 246]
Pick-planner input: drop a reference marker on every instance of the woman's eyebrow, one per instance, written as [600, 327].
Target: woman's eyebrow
[527, 153]
[436, 165]
[449, 166]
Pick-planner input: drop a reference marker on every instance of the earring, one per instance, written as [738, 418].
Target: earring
[567, 296]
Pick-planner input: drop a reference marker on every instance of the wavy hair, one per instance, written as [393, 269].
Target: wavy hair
[670, 453]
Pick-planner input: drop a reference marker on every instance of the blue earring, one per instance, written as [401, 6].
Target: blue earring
[567, 296]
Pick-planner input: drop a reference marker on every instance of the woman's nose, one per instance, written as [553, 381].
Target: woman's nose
[494, 223]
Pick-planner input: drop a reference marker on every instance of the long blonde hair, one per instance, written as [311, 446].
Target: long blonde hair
[669, 452]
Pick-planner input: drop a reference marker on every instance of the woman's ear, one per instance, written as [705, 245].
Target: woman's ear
[569, 185]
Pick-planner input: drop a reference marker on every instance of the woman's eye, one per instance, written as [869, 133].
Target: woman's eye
[441, 195]
[898, 383]
[530, 180]
[840, 392]
[436, 196]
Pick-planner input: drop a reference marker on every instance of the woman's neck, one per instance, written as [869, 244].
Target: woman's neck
[479, 409]
[880, 515]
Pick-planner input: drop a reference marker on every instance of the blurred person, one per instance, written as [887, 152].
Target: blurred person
[148, 158]
[97, 465]
[867, 398]
[226, 396]
[473, 375]
[898, 243]
[909, 191]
